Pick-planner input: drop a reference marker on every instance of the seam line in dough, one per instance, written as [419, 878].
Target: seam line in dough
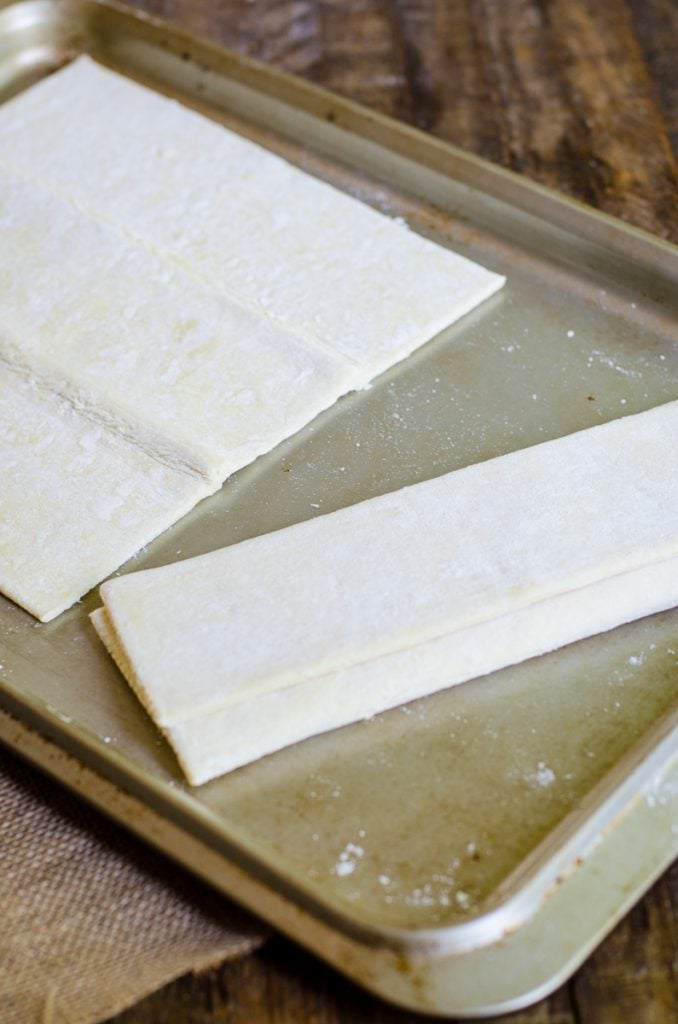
[260, 689]
[144, 440]
[185, 267]
[653, 541]
[578, 589]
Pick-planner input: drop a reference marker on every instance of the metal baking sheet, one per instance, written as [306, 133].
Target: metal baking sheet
[411, 849]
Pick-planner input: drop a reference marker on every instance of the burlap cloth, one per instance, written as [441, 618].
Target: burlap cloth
[91, 920]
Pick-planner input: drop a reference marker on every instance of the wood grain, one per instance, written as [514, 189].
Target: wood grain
[578, 96]
[582, 97]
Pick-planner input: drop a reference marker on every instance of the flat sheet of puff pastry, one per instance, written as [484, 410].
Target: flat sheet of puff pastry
[76, 498]
[143, 366]
[214, 743]
[157, 311]
[235, 215]
[192, 369]
[401, 569]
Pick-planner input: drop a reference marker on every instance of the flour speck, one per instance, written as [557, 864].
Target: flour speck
[543, 776]
[348, 860]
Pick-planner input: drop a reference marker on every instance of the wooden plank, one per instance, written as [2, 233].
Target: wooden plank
[574, 95]
[655, 25]
[632, 976]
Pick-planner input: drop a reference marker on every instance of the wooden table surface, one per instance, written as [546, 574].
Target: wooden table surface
[582, 96]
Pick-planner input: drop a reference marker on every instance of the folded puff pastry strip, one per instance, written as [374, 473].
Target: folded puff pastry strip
[220, 741]
[402, 570]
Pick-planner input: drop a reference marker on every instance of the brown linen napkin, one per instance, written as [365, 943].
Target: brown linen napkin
[91, 920]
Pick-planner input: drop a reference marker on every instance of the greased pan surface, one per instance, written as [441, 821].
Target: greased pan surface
[433, 829]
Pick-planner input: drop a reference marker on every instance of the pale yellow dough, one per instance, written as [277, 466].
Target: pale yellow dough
[236, 216]
[149, 344]
[217, 742]
[197, 321]
[76, 499]
[403, 594]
